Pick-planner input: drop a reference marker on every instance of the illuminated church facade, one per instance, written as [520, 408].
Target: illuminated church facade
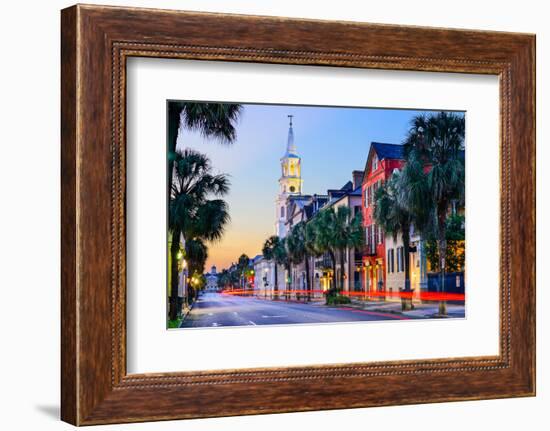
[290, 182]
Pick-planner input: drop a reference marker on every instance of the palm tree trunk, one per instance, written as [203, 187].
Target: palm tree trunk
[442, 250]
[406, 302]
[342, 251]
[174, 114]
[276, 286]
[333, 261]
[308, 285]
[174, 250]
[287, 281]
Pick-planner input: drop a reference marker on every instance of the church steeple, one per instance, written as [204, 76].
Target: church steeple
[290, 147]
[290, 182]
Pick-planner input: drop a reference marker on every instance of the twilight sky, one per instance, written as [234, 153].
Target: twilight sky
[331, 141]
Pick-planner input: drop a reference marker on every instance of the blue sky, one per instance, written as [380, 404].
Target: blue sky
[331, 141]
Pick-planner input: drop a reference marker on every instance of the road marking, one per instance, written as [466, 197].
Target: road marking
[269, 317]
[235, 313]
[216, 324]
[210, 314]
[251, 322]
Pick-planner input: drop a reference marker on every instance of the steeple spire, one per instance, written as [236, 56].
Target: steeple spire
[290, 147]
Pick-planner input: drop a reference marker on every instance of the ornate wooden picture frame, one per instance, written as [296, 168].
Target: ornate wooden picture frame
[96, 41]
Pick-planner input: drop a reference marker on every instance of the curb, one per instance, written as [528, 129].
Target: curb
[186, 313]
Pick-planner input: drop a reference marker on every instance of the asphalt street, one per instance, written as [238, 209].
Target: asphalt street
[214, 309]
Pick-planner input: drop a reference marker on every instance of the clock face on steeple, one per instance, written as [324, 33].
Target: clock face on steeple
[292, 189]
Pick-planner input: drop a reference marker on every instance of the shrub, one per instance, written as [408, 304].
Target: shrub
[337, 299]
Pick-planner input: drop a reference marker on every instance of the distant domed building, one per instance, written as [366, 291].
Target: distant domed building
[212, 279]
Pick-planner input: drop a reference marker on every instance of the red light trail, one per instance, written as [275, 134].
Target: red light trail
[423, 296]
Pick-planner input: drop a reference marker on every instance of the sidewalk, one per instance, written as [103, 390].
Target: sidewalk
[425, 310]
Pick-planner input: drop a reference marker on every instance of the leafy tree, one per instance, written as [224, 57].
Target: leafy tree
[455, 257]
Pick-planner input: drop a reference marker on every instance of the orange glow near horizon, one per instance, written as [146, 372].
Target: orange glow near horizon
[248, 238]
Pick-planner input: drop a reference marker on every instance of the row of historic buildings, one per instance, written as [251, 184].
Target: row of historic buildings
[378, 269]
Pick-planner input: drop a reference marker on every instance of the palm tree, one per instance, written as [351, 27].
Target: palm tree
[301, 247]
[191, 213]
[347, 232]
[438, 142]
[224, 279]
[274, 250]
[312, 250]
[296, 248]
[335, 232]
[392, 214]
[242, 265]
[323, 224]
[196, 253]
[212, 120]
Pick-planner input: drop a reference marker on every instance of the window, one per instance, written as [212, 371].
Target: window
[366, 197]
[371, 244]
[398, 249]
[282, 212]
[376, 231]
[375, 162]
[370, 195]
[400, 260]
[388, 265]
[392, 261]
[372, 190]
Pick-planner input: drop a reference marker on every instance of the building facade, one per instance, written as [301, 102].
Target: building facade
[382, 160]
[211, 279]
[384, 255]
[395, 265]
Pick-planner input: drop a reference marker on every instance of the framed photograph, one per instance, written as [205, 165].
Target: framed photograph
[267, 215]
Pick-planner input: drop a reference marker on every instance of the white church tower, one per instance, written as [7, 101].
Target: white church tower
[290, 182]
